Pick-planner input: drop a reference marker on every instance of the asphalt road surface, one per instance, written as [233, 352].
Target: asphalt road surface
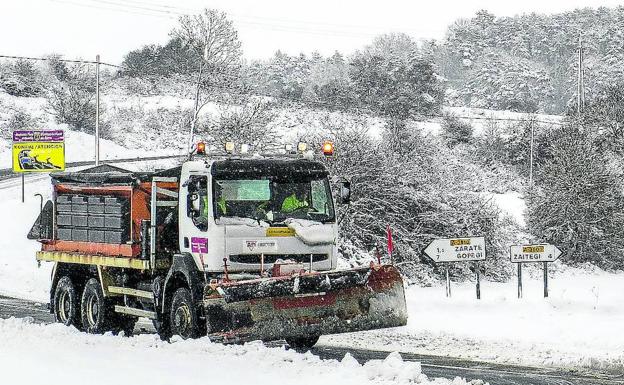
[432, 366]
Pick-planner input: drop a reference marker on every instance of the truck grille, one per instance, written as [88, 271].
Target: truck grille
[271, 258]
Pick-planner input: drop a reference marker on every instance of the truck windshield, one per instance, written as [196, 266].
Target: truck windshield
[273, 200]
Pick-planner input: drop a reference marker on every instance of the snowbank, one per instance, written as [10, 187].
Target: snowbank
[56, 354]
[576, 327]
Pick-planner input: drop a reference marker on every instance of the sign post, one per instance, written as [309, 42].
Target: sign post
[533, 253]
[545, 279]
[448, 280]
[477, 269]
[519, 280]
[457, 250]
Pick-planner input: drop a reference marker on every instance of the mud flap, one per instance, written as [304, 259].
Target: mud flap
[308, 305]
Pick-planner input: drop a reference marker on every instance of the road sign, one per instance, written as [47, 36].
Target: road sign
[38, 151]
[534, 253]
[456, 249]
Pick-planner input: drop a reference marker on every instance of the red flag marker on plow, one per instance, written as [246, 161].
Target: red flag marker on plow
[389, 241]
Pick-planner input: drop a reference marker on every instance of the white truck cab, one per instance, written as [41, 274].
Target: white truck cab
[245, 214]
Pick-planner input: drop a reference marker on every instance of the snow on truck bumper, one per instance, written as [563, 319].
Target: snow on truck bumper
[307, 305]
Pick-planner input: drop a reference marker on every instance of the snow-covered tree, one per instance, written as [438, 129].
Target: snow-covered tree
[579, 206]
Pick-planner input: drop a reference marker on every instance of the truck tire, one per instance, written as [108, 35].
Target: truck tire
[302, 344]
[67, 303]
[97, 315]
[183, 318]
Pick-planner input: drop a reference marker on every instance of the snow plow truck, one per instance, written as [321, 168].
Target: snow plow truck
[232, 246]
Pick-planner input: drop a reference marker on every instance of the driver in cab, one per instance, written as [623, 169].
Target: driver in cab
[295, 201]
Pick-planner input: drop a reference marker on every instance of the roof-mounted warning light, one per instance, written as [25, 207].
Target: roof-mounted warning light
[201, 148]
[328, 148]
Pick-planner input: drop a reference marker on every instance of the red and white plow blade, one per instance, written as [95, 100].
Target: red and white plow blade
[307, 305]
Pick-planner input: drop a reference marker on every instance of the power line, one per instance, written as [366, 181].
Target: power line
[138, 7]
[57, 59]
[93, 6]
[172, 12]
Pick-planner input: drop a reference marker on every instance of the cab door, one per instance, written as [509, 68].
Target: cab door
[195, 217]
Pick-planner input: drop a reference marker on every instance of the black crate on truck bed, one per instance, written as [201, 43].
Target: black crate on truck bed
[116, 209]
[63, 220]
[63, 208]
[64, 234]
[79, 208]
[80, 220]
[63, 199]
[78, 199]
[79, 235]
[96, 208]
[96, 221]
[116, 236]
[95, 199]
[96, 236]
[116, 222]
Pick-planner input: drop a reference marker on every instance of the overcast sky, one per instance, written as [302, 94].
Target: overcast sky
[83, 28]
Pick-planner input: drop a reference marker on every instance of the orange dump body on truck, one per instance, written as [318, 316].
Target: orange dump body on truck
[133, 190]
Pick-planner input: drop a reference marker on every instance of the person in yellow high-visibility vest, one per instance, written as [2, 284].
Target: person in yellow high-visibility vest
[292, 203]
[221, 204]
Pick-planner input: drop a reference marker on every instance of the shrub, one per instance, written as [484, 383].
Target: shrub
[456, 131]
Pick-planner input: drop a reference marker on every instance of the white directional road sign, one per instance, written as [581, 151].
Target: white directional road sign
[534, 253]
[456, 249]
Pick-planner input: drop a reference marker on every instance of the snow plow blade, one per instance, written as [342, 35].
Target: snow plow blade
[310, 304]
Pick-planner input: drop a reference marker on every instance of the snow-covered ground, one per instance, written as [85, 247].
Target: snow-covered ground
[33, 354]
[576, 327]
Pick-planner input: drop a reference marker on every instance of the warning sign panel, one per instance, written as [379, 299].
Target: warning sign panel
[38, 151]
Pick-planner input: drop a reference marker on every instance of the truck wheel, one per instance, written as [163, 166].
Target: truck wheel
[66, 303]
[95, 312]
[183, 319]
[302, 344]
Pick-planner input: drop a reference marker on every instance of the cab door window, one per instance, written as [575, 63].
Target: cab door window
[197, 201]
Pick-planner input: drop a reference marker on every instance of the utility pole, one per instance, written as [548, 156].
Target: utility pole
[532, 123]
[197, 95]
[580, 92]
[97, 110]
[195, 109]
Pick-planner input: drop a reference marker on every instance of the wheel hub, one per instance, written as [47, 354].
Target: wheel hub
[64, 307]
[182, 320]
[93, 310]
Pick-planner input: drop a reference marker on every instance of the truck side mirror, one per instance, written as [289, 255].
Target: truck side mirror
[345, 192]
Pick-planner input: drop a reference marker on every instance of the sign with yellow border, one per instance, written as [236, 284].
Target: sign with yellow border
[38, 151]
[280, 232]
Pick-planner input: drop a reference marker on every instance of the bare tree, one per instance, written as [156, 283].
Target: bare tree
[248, 124]
[71, 100]
[212, 36]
